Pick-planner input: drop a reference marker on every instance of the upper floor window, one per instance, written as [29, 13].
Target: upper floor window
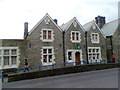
[95, 38]
[47, 35]
[75, 36]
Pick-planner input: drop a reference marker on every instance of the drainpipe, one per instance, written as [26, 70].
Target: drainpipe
[86, 46]
[64, 48]
[111, 45]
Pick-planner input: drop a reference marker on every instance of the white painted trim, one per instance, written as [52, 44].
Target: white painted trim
[47, 40]
[53, 57]
[10, 65]
[79, 37]
[95, 52]
[98, 38]
[71, 22]
[47, 15]
[73, 55]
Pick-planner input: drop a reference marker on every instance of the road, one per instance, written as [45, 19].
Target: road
[107, 78]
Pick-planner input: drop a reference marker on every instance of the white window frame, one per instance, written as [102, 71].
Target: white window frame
[91, 58]
[47, 40]
[95, 40]
[79, 37]
[73, 55]
[2, 66]
[53, 57]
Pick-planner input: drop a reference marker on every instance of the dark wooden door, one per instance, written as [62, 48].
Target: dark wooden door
[77, 58]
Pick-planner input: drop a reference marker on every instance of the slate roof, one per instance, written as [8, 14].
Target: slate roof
[110, 27]
[65, 26]
[88, 25]
[47, 15]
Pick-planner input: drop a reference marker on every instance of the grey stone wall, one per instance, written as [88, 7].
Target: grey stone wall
[34, 52]
[69, 45]
[21, 44]
[101, 44]
[115, 41]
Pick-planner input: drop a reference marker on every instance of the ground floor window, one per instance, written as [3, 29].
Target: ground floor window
[74, 56]
[94, 53]
[48, 55]
[9, 57]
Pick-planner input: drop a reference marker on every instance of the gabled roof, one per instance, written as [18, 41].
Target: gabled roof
[68, 24]
[110, 27]
[46, 16]
[88, 25]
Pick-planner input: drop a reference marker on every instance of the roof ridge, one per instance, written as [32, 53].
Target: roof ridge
[88, 22]
[113, 21]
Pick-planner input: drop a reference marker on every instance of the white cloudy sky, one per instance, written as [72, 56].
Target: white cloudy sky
[13, 13]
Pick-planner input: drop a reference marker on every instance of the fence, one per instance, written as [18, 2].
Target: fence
[63, 65]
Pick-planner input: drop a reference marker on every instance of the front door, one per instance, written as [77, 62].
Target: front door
[77, 58]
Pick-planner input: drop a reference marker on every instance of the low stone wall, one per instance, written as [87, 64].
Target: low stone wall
[60, 71]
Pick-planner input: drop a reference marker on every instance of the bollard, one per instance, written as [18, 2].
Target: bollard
[2, 76]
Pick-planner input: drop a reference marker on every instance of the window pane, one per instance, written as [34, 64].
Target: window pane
[13, 52]
[97, 50]
[77, 36]
[6, 52]
[49, 50]
[69, 55]
[89, 50]
[45, 58]
[44, 34]
[49, 34]
[6, 60]
[44, 51]
[73, 36]
[50, 58]
[93, 36]
[93, 50]
[14, 60]
[98, 56]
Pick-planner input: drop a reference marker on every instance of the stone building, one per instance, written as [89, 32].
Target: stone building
[45, 43]
[112, 33]
[74, 42]
[48, 43]
[96, 41]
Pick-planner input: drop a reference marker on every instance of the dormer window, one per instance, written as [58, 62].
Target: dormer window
[95, 38]
[47, 35]
[75, 36]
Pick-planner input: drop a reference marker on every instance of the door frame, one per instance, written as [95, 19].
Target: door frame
[73, 55]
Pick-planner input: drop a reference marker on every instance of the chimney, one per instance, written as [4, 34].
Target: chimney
[55, 20]
[100, 21]
[25, 30]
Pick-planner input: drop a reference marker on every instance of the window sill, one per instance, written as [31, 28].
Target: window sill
[49, 63]
[47, 40]
[75, 41]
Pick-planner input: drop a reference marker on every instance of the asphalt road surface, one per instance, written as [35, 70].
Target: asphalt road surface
[107, 78]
